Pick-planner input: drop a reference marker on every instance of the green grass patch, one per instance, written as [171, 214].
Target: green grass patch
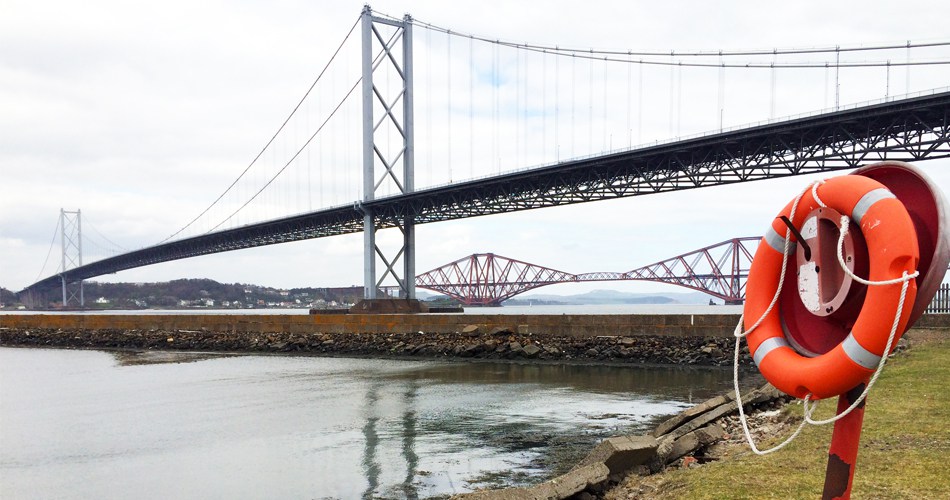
[905, 444]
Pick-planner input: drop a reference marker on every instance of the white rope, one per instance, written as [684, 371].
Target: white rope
[808, 407]
[742, 417]
[880, 365]
[845, 222]
[814, 192]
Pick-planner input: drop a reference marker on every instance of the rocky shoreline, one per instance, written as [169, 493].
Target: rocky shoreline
[470, 343]
[690, 438]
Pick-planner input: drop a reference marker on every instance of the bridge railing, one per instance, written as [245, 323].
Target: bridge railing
[941, 302]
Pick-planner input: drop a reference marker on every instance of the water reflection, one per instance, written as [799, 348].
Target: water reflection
[408, 441]
[79, 424]
[371, 441]
[660, 381]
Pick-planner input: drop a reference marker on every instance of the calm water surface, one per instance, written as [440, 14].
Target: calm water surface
[90, 424]
[521, 309]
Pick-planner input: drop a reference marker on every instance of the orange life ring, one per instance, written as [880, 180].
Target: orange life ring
[892, 250]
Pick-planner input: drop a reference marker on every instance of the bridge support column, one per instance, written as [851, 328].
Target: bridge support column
[381, 106]
[70, 224]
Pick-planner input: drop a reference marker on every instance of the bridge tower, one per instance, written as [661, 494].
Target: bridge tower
[387, 112]
[70, 224]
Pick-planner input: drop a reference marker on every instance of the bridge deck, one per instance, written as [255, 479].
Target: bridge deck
[911, 129]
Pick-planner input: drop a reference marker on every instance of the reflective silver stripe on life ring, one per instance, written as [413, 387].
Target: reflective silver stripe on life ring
[766, 347]
[859, 354]
[777, 241]
[864, 204]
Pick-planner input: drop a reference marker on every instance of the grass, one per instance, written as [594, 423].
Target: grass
[905, 443]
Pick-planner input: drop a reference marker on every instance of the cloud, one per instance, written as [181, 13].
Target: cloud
[142, 114]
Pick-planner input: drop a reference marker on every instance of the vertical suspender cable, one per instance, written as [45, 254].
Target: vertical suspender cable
[448, 69]
[772, 85]
[825, 105]
[679, 98]
[722, 93]
[629, 91]
[640, 103]
[471, 109]
[309, 173]
[772, 91]
[557, 107]
[590, 104]
[887, 81]
[429, 72]
[495, 160]
[518, 106]
[524, 131]
[544, 103]
[672, 74]
[837, 81]
[907, 71]
[604, 109]
[573, 100]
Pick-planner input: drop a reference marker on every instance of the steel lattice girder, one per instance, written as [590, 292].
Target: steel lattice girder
[912, 129]
[488, 279]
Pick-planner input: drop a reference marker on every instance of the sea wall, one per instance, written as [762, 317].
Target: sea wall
[565, 325]
[654, 339]
[700, 340]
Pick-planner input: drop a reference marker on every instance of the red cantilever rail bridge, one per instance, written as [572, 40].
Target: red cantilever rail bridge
[486, 279]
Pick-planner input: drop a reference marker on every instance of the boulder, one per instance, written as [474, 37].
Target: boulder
[531, 350]
[690, 442]
[622, 453]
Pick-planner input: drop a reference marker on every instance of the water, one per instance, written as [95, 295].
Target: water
[89, 424]
[521, 309]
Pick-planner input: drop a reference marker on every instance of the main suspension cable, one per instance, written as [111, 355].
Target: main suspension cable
[269, 142]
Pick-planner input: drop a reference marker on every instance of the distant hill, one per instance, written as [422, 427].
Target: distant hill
[203, 293]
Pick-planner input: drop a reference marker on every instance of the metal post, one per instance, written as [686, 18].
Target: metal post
[409, 226]
[82, 300]
[843, 452]
[62, 240]
[71, 240]
[369, 227]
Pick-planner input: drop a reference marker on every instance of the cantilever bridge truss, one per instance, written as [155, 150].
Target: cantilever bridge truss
[486, 279]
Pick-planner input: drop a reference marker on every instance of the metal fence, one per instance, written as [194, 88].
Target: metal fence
[941, 302]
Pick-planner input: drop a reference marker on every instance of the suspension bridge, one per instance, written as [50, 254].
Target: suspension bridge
[573, 112]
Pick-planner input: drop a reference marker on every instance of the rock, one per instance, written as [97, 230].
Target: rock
[690, 442]
[499, 331]
[531, 350]
[515, 346]
[564, 486]
[689, 414]
[622, 453]
[627, 341]
[592, 353]
[550, 349]
[470, 331]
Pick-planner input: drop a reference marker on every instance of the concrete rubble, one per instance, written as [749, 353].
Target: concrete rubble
[683, 435]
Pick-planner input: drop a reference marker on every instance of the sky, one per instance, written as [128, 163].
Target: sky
[141, 113]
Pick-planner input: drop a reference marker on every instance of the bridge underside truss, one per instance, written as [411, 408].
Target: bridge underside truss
[914, 129]
[911, 130]
[487, 279]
